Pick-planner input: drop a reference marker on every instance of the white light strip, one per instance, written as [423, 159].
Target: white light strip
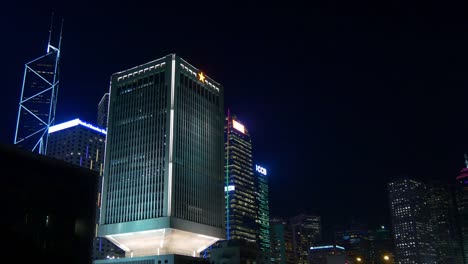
[171, 139]
[64, 125]
[73, 123]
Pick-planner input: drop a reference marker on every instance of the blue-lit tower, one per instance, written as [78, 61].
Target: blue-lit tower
[38, 101]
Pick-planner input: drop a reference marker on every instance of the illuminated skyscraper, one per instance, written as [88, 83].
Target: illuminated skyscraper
[163, 173]
[263, 218]
[38, 100]
[79, 143]
[103, 108]
[239, 189]
[412, 229]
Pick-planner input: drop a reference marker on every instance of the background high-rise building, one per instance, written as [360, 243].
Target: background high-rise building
[103, 109]
[79, 143]
[241, 204]
[307, 232]
[281, 242]
[446, 236]
[263, 218]
[412, 230]
[163, 173]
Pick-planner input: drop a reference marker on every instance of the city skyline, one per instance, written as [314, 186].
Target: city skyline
[336, 105]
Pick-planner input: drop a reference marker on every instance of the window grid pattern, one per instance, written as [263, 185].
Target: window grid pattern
[242, 199]
[136, 149]
[197, 152]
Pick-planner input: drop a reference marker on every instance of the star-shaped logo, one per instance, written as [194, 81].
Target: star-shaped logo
[201, 77]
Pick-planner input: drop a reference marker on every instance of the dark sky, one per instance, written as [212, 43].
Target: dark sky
[339, 96]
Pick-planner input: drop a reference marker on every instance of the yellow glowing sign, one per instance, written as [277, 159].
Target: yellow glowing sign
[201, 77]
[238, 126]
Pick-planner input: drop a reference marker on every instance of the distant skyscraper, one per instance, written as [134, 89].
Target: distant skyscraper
[263, 218]
[307, 232]
[412, 230]
[79, 143]
[281, 251]
[240, 191]
[163, 173]
[103, 108]
[38, 101]
[447, 241]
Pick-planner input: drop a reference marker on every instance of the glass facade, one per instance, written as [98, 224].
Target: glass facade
[77, 144]
[263, 218]
[163, 178]
[239, 189]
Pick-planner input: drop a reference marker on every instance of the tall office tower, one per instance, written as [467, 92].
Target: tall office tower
[462, 206]
[263, 215]
[447, 241]
[307, 232]
[38, 100]
[281, 243]
[163, 174]
[241, 205]
[411, 222]
[79, 143]
[103, 108]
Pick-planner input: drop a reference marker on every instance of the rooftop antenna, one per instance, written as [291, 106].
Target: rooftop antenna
[50, 31]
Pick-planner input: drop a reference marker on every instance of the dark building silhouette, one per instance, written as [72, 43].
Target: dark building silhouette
[49, 207]
[355, 238]
[307, 231]
[327, 254]
[462, 208]
[446, 236]
[237, 251]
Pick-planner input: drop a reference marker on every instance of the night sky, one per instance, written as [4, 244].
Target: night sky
[338, 96]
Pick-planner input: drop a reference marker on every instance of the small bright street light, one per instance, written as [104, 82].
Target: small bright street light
[359, 259]
[386, 257]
